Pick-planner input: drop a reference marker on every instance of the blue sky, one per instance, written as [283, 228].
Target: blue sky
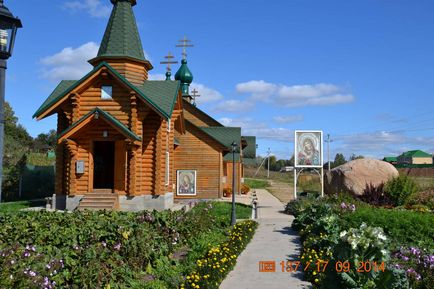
[361, 71]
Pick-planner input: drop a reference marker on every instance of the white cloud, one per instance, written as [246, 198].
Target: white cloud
[206, 93]
[94, 8]
[234, 105]
[158, 76]
[70, 63]
[288, 119]
[261, 130]
[296, 95]
[381, 143]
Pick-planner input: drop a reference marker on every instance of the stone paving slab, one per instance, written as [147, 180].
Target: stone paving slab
[274, 241]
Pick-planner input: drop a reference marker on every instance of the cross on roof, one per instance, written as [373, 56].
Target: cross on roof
[169, 61]
[184, 43]
[194, 95]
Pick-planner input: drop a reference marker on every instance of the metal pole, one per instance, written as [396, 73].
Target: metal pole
[328, 149]
[322, 182]
[233, 215]
[268, 166]
[2, 118]
[295, 183]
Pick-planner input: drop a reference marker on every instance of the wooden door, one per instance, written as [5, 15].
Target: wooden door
[103, 163]
[120, 166]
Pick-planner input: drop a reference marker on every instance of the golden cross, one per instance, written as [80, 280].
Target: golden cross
[169, 61]
[194, 95]
[184, 43]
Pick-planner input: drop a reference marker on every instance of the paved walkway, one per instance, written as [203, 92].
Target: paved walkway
[274, 240]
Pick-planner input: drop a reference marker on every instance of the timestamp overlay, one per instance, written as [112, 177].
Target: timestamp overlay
[340, 266]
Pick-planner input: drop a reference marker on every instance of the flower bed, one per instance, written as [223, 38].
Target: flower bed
[345, 246]
[108, 249]
[219, 260]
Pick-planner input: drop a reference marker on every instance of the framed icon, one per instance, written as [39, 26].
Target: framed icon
[186, 182]
[308, 149]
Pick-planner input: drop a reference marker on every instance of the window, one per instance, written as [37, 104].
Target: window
[106, 92]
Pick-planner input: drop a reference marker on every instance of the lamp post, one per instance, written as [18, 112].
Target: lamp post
[233, 215]
[8, 30]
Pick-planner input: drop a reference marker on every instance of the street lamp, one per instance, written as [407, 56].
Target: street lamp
[233, 215]
[8, 30]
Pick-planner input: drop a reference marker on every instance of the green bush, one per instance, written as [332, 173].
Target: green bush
[402, 226]
[425, 198]
[399, 189]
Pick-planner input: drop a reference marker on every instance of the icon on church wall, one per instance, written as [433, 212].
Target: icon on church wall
[308, 149]
[186, 182]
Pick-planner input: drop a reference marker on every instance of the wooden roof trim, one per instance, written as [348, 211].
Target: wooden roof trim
[86, 119]
[90, 77]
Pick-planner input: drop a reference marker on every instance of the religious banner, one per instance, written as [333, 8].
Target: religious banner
[186, 182]
[308, 149]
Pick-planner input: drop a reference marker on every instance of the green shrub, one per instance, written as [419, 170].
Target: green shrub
[425, 198]
[402, 226]
[399, 189]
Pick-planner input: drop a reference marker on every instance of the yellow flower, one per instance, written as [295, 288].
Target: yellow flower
[316, 280]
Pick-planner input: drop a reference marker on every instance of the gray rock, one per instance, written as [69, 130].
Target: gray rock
[354, 176]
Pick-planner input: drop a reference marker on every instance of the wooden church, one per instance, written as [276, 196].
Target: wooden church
[129, 143]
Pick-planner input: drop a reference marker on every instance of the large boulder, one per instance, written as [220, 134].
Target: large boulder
[354, 176]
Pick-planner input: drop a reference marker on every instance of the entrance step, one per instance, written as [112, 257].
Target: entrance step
[99, 201]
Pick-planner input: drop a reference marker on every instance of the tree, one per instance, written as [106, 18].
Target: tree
[45, 141]
[354, 157]
[339, 160]
[17, 143]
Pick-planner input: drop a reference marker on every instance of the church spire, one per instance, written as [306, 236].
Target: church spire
[121, 38]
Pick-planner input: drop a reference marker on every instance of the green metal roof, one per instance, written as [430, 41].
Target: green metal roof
[416, 153]
[121, 37]
[250, 150]
[390, 159]
[159, 94]
[224, 135]
[108, 117]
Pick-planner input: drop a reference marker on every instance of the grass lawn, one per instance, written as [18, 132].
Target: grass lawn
[16, 206]
[223, 209]
[256, 183]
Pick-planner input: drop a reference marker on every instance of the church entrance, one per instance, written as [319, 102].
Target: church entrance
[103, 160]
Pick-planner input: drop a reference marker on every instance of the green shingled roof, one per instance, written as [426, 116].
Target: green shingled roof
[416, 153]
[250, 150]
[224, 135]
[121, 37]
[211, 119]
[57, 94]
[159, 94]
[108, 117]
[162, 93]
